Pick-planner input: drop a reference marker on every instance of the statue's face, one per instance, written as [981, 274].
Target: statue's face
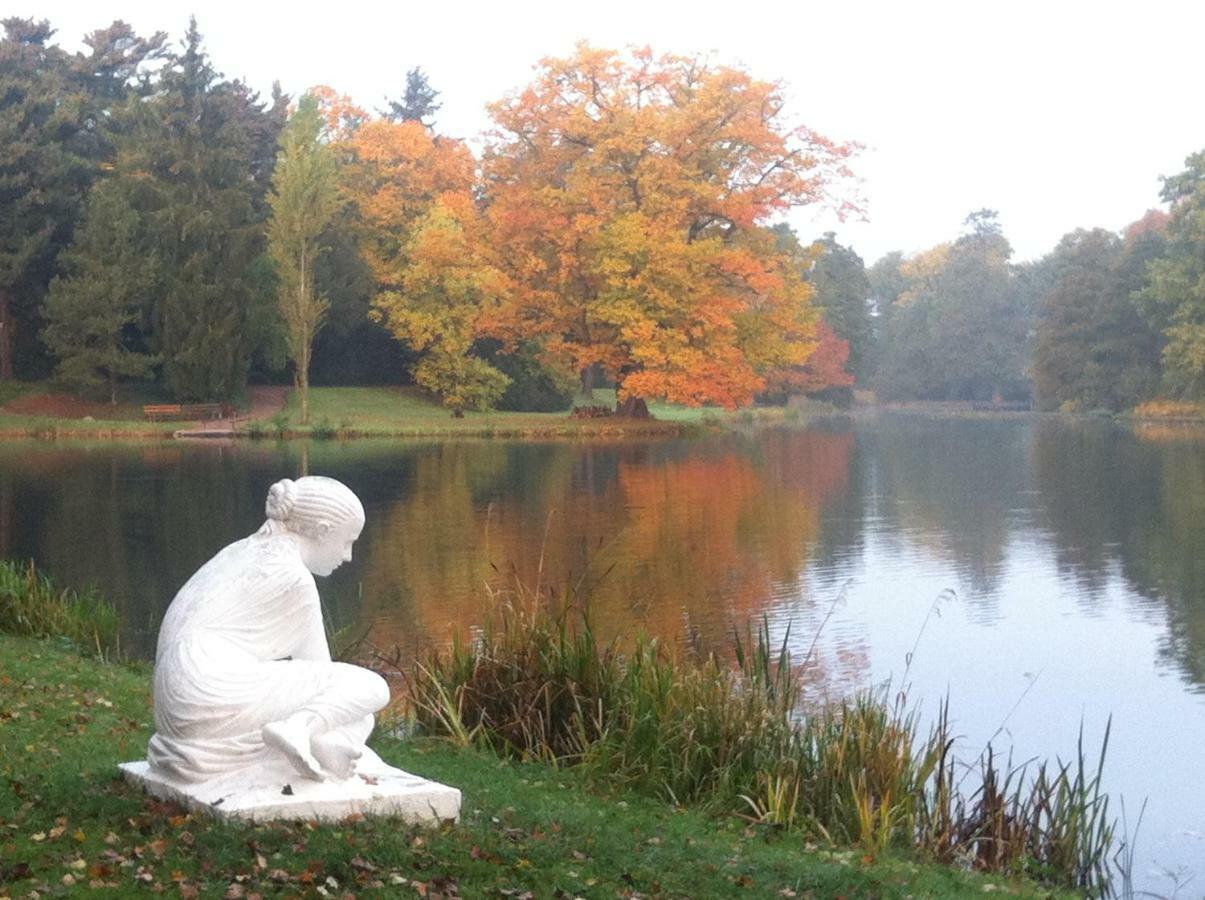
[324, 553]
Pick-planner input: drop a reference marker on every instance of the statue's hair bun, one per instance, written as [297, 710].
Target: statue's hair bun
[281, 497]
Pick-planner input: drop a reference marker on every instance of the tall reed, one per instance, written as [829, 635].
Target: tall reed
[31, 606]
[727, 733]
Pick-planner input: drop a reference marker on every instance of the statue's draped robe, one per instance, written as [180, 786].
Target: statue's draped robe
[242, 645]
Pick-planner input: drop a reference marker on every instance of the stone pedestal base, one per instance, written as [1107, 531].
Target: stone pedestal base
[276, 791]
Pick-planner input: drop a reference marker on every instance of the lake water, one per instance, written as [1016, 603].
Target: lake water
[1047, 574]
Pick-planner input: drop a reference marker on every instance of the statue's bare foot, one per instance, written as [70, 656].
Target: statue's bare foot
[337, 753]
[292, 738]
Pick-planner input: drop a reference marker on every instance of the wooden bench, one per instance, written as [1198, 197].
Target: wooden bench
[191, 411]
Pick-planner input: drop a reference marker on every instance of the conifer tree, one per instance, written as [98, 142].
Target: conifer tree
[417, 103]
[92, 309]
[190, 167]
[42, 177]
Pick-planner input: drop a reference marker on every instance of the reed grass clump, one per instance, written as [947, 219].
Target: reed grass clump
[728, 733]
[31, 606]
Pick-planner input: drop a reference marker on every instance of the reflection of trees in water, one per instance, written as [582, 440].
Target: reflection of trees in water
[1097, 484]
[1113, 500]
[951, 486]
[683, 539]
[680, 539]
[134, 521]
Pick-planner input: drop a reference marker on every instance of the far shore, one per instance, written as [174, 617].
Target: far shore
[348, 413]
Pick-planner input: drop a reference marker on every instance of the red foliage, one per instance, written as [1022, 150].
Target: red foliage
[824, 369]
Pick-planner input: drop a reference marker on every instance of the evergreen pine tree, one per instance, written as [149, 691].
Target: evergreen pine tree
[92, 309]
[42, 178]
[194, 167]
[417, 103]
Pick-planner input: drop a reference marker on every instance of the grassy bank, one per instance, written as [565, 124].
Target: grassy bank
[347, 412]
[530, 829]
[352, 412]
[727, 735]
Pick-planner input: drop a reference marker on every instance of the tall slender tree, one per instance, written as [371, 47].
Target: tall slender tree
[304, 200]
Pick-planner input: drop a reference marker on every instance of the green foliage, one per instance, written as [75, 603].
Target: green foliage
[102, 297]
[842, 292]
[417, 103]
[30, 606]
[960, 329]
[196, 167]
[1094, 350]
[1175, 294]
[461, 382]
[58, 115]
[305, 201]
[43, 175]
[534, 386]
[728, 735]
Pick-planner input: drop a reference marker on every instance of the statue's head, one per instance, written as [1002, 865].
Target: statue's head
[324, 514]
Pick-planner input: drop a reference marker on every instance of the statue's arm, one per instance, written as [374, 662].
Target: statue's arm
[312, 642]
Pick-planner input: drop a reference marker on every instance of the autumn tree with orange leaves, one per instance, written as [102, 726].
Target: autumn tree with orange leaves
[423, 237]
[632, 194]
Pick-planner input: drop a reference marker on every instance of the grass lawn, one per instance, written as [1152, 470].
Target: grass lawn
[409, 412]
[37, 409]
[529, 830]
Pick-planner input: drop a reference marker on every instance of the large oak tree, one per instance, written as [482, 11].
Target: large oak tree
[632, 193]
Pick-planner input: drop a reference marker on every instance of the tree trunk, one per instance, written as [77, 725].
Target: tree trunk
[587, 375]
[112, 388]
[8, 326]
[302, 379]
[633, 408]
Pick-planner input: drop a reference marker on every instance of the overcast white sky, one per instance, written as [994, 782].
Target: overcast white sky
[1057, 114]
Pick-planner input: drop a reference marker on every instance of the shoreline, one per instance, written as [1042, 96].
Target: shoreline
[519, 426]
[525, 826]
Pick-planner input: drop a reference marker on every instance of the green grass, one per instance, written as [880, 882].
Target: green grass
[343, 412]
[409, 412]
[68, 822]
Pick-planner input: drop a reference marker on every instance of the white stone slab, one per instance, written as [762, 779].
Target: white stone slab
[275, 791]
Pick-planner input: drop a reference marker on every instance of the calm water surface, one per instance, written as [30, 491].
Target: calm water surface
[1075, 554]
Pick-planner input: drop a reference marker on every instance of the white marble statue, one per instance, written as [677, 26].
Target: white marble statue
[243, 673]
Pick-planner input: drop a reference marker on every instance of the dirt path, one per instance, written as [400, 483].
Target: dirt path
[266, 401]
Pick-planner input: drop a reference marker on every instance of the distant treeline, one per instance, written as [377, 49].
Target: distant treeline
[1102, 322]
[163, 225]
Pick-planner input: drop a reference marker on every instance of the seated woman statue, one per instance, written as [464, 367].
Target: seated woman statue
[243, 673]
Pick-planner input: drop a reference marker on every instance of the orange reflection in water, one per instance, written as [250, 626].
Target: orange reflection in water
[674, 541]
